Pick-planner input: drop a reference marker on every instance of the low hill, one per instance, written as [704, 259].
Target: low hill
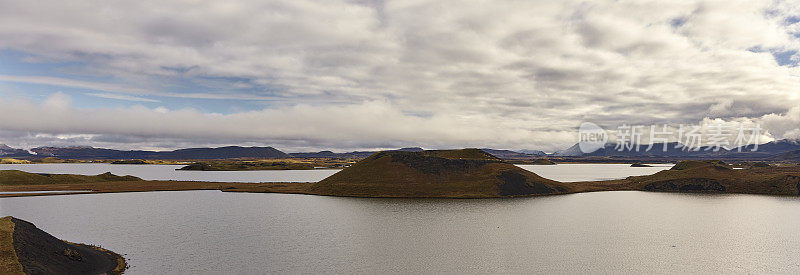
[467, 173]
[787, 156]
[718, 177]
[15, 177]
[14, 161]
[25, 249]
[508, 154]
[542, 162]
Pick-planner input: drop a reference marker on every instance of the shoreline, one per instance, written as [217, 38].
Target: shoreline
[402, 175]
[152, 186]
[304, 189]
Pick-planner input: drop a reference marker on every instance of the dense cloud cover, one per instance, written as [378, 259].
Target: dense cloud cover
[375, 74]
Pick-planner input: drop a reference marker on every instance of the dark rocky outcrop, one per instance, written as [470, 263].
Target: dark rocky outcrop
[515, 183]
[692, 185]
[718, 177]
[33, 251]
[691, 164]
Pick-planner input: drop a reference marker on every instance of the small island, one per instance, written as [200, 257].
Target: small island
[25, 249]
[268, 164]
[247, 166]
[469, 173]
[15, 177]
[541, 162]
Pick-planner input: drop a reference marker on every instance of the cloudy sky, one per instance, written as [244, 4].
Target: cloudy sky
[307, 75]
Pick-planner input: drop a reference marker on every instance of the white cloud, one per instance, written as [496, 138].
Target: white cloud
[348, 74]
[371, 124]
[786, 125]
[58, 102]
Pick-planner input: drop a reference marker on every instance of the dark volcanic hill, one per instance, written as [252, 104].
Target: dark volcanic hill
[788, 156]
[85, 152]
[718, 177]
[330, 154]
[467, 173]
[29, 250]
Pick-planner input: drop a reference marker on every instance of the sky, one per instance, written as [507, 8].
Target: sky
[352, 75]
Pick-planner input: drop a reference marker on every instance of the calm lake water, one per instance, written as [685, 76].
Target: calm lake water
[168, 172]
[561, 172]
[590, 172]
[199, 232]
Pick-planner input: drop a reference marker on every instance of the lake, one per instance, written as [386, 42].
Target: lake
[168, 172]
[190, 232]
[590, 171]
[561, 172]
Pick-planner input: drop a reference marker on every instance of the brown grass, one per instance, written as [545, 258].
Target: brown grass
[146, 186]
[468, 173]
[15, 177]
[9, 264]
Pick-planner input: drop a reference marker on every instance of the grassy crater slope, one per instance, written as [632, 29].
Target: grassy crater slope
[466, 173]
[25, 249]
[718, 177]
[16, 177]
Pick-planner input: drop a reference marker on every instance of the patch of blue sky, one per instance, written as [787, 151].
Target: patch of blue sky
[167, 92]
[783, 58]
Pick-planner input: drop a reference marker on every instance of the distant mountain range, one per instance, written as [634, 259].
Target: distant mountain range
[85, 152]
[6, 151]
[347, 155]
[503, 154]
[508, 154]
[674, 150]
[775, 150]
